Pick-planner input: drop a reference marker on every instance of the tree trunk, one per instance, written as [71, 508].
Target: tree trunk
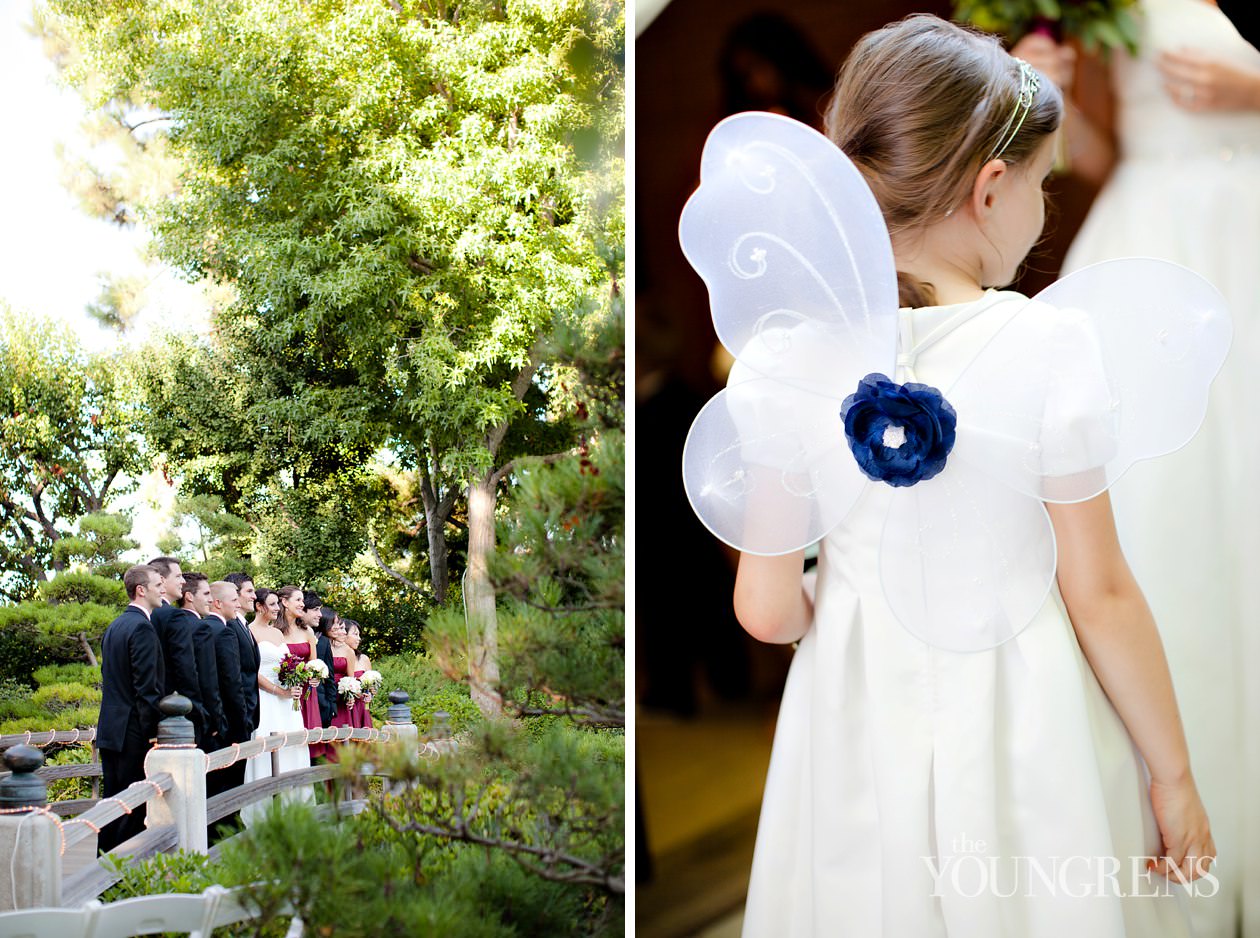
[479, 599]
[87, 649]
[439, 571]
[436, 511]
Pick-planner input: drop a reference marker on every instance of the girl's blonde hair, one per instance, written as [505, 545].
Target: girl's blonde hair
[919, 107]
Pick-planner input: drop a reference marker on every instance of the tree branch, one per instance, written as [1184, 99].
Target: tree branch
[519, 386]
[582, 871]
[376, 555]
[503, 472]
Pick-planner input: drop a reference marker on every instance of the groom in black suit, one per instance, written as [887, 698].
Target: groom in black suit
[178, 652]
[237, 660]
[132, 676]
[209, 724]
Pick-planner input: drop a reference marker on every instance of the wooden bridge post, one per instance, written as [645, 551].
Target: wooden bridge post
[175, 752]
[30, 839]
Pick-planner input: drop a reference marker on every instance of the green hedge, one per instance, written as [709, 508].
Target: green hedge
[430, 691]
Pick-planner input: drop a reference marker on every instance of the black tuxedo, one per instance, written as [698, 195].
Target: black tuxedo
[236, 725]
[132, 677]
[175, 633]
[327, 689]
[247, 645]
[207, 716]
[237, 661]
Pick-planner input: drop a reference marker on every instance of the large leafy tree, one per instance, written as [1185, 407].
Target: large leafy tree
[69, 443]
[404, 196]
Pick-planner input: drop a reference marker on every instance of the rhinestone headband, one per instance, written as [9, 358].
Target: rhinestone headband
[1029, 82]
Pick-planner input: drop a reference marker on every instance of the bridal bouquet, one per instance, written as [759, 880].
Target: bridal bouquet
[371, 681]
[295, 672]
[316, 671]
[349, 689]
[1105, 24]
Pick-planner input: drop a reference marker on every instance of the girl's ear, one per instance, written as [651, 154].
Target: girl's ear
[983, 191]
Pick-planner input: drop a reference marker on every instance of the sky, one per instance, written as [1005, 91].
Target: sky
[51, 253]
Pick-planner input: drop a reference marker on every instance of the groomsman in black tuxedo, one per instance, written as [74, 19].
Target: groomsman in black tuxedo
[132, 677]
[176, 638]
[327, 690]
[236, 656]
[246, 594]
[209, 722]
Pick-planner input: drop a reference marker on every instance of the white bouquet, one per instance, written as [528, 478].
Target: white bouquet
[371, 681]
[317, 671]
[348, 689]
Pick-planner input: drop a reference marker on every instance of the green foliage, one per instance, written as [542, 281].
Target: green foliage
[430, 691]
[70, 789]
[102, 537]
[68, 697]
[220, 541]
[360, 877]
[522, 795]
[165, 872]
[402, 199]
[66, 630]
[1099, 24]
[391, 615]
[21, 653]
[67, 442]
[560, 567]
[85, 589]
[84, 674]
[182, 872]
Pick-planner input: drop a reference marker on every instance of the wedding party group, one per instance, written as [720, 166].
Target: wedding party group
[252, 662]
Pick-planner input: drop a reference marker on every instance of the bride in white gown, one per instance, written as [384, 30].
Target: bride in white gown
[1185, 187]
[275, 712]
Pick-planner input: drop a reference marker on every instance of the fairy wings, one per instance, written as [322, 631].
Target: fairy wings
[1110, 365]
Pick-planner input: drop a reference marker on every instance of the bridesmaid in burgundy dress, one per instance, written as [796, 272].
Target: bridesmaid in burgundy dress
[360, 716]
[342, 657]
[301, 642]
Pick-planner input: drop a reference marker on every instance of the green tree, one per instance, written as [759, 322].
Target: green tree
[68, 445]
[404, 197]
[69, 614]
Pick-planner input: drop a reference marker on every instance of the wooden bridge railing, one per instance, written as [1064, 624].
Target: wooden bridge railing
[34, 838]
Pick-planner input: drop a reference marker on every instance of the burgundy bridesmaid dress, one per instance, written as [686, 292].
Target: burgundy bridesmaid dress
[360, 717]
[311, 718]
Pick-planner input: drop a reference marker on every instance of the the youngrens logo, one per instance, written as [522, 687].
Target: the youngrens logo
[971, 873]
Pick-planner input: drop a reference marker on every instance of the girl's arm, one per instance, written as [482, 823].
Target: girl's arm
[1119, 638]
[770, 600]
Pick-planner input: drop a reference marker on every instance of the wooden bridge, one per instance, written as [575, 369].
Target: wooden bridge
[52, 847]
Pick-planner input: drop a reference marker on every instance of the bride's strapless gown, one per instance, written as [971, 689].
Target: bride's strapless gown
[1187, 189]
[275, 715]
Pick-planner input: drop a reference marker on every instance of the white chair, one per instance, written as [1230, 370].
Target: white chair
[41, 923]
[198, 915]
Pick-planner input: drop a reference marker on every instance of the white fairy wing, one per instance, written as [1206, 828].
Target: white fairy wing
[965, 564]
[1110, 365]
[766, 466]
[784, 230]
[796, 257]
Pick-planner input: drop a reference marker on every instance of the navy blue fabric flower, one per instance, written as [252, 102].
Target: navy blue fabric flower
[899, 433]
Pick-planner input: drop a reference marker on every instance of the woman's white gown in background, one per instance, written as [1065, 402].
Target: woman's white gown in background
[894, 760]
[1187, 189]
[275, 715]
